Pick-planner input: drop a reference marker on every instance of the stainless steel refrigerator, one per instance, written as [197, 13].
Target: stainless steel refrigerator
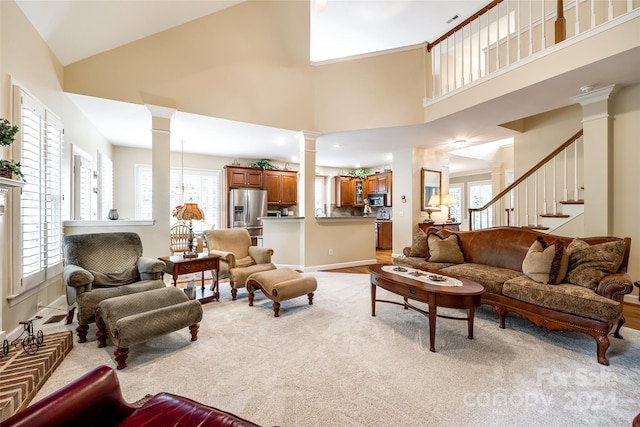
[245, 207]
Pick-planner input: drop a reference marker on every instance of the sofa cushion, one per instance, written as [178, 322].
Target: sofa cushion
[588, 264]
[490, 277]
[419, 262]
[444, 249]
[565, 297]
[419, 245]
[124, 277]
[245, 262]
[546, 263]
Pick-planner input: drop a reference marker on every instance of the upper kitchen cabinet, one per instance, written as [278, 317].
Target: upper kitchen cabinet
[379, 183]
[281, 186]
[239, 177]
[350, 191]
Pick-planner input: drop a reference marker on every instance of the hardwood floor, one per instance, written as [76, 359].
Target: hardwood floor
[631, 311]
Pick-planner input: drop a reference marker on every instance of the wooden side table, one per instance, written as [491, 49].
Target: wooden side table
[178, 264]
[453, 226]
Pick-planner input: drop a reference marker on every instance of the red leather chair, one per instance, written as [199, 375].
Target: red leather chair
[95, 399]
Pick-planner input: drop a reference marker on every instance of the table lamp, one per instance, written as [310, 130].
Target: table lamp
[434, 200]
[190, 212]
[449, 200]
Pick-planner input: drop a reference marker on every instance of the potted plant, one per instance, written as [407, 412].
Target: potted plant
[9, 168]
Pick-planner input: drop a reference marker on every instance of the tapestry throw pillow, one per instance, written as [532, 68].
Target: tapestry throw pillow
[419, 245]
[588, 264]
[444, 250]
[546, 263]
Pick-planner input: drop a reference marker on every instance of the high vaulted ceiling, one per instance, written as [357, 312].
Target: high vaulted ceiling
[76, 29]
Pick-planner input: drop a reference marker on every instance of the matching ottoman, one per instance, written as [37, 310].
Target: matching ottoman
[280, 285]
[132, 319]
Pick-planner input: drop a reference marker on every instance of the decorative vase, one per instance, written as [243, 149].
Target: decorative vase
[6, 173]
[113, 214]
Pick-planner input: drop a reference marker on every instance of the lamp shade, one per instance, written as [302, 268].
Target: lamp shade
[434, 200]
[190, 212]
[449, 200]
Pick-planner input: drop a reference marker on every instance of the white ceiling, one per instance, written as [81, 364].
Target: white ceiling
[77, 29]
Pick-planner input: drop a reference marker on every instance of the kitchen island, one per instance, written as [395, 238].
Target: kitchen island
[320, 243]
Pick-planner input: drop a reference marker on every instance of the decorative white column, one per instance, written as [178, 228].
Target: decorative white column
[597, 124]
[161, 165]
[306, 188]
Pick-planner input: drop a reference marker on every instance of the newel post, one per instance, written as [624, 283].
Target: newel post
[561, 23]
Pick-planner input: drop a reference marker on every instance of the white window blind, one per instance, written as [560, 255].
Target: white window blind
[83, 188]
[38, 255]
[105, 185]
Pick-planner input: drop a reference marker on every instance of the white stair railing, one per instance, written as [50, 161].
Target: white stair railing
[523, 203]
[507, 31]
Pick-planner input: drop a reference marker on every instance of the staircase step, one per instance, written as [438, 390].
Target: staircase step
[554, 216]
[535, 227]
[572, 202]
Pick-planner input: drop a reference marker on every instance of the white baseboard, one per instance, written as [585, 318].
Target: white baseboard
[338, 265]
[58, 306]
[631, 299]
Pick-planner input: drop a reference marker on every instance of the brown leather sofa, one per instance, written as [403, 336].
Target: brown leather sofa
[95, 400]
[493, 257]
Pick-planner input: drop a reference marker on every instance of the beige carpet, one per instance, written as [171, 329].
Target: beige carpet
[332, 364]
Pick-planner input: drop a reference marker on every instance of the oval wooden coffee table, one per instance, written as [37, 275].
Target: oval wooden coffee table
[465, 297]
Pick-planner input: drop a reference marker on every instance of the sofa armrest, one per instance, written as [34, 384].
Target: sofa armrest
[406, 251]
[95, 396]
[225, 256]
[260, 255]
[76, 276]
[614, 286]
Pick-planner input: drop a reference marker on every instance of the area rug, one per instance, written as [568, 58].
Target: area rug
[333, 364]
[23, 375]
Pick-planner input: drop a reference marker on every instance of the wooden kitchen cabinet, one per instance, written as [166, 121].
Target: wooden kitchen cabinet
[240, 177]
[350, 191]
[384, 234]
[281, 186]
[379, 183]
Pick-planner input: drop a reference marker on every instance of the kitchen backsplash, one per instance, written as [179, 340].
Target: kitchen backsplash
[379, 213]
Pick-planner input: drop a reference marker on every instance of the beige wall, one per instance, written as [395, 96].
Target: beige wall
[372, 92]
[241, 63]
[25, 57]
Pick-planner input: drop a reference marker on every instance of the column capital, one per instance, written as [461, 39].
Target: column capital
[308, 135]
[597, 95]
[160, 111]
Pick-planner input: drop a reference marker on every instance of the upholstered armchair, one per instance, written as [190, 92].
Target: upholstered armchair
[105, 265]
[238, 259]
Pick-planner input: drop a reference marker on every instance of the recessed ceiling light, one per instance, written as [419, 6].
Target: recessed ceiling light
[453, 18]
[336, 145]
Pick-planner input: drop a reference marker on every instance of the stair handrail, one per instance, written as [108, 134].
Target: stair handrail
[526, 175]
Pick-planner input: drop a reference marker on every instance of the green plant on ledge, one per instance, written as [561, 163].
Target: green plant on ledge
[263, 164]
[7, 132]
[13, 166]
[7, 136]
[359, 173]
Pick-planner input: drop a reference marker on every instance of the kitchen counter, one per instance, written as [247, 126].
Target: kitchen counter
[344, 218]
[279, 218]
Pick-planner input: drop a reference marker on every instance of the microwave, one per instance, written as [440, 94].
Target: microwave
[377, 200]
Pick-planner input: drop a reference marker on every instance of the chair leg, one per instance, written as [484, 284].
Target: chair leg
[310, 295]
[194, 331]
[276, 309]
[121, 355]
[234, 293]
[70, 315]
[82, 331]
[251, 295]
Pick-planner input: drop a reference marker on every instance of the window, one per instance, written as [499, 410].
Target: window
[37, 254]
[480, 193]
[319, 196]
[201, 186]
[105, 185]
[456, 210]
[85, 188]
